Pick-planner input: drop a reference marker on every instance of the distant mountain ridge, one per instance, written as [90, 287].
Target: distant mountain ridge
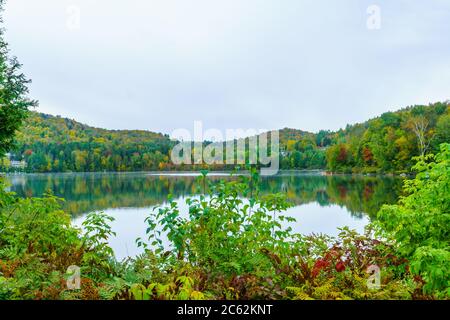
[383, 144]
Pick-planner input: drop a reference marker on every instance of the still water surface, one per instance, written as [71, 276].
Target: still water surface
[321, 203]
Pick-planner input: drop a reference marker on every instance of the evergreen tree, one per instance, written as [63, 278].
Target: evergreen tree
[14, 103]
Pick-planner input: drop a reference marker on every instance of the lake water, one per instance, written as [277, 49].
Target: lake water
[321, 204]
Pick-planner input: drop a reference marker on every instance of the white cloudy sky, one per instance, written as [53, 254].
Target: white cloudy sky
[161, 64]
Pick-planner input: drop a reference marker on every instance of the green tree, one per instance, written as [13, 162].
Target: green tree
[442, 131]
[14, 103]
[296, 159]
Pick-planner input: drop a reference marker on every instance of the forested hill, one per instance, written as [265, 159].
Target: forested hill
[48, 143]
[383, 144]
[389, 142]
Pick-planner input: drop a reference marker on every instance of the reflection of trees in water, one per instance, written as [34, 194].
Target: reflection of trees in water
[358, 194]
[89, 192]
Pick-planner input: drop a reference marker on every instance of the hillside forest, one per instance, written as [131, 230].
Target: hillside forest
[385, 144]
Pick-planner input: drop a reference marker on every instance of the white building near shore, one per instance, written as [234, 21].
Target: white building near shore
[16, 164]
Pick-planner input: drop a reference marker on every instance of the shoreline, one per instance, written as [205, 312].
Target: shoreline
[195, 173]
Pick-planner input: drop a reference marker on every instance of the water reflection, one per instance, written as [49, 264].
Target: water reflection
[83, 193]
[321, 203]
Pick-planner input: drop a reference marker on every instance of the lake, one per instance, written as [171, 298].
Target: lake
[321, 203]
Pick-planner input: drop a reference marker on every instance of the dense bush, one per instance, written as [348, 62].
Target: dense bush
[421, 222]
[38, 244]
[231, 248]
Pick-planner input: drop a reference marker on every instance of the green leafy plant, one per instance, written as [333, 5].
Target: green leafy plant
[223, 233]
[420, 223]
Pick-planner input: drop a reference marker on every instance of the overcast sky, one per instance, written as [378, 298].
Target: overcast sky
[162, 64]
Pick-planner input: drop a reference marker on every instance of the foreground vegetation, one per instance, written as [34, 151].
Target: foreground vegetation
[231, 248]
